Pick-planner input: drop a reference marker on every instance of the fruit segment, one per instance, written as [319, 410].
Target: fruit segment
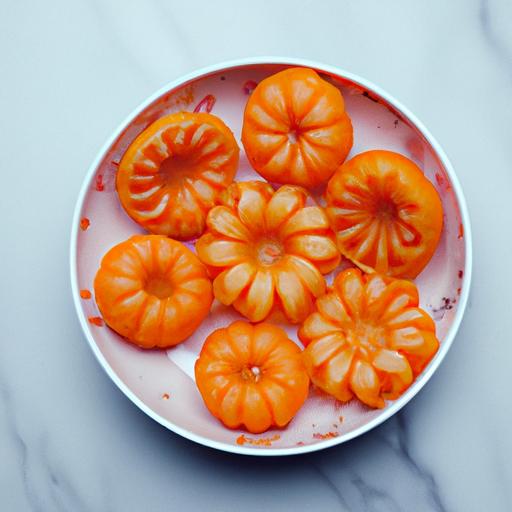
[153, 291]
[296, 130]
[268, 250]
[368, 338]
[173, 172]
[251, 376]
[386, 214]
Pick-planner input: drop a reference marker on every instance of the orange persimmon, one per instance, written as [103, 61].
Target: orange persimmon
[172, 173]
[152, 290]
[295, 129]
[268, 250]
[368, 338]
[251, 376]
[386, 214]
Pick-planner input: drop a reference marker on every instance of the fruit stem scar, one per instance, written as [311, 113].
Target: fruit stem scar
[293, 136]
[269, 252]
[252, 373]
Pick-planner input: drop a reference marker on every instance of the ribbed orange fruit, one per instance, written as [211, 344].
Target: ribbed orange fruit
[296, 130]
[387, 215]
[152, 290]
[251, 376]
[173, 172]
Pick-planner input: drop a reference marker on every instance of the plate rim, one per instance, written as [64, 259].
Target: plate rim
[397, 404]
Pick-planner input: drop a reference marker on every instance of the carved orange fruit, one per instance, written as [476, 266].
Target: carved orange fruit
[268, 250]
[172, 173]
[368, 338]
[387, 215]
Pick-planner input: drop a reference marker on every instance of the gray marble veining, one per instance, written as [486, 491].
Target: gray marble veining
[499, 40]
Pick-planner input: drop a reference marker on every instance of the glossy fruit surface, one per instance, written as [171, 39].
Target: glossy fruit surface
[387, 215]
[251, 376]
[173, 172]
[152, 290]
[268, 250]
[368, 338]
[296, 130]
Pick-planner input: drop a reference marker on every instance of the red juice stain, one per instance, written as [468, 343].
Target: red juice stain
[328, 435]
[249, 86]
[96, 320]
[461, 230]
[206, 104]
[84, 223]
[99, 185]
[85, 294]
[439, 179]
[366, 94]
[262, 441]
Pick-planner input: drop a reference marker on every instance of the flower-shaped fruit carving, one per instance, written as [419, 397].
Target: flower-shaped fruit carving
[251, 376]
[268, 250]
[368, 338]
[172, 173]
[296, 130]
[386, 214]
[152, 290]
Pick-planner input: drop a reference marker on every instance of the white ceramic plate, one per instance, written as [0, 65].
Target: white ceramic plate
[161, 382]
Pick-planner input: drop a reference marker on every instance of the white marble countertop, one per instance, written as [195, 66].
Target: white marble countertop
[70, 72]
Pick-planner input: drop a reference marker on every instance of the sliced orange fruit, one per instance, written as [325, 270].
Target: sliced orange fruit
[173, 172]
[387, 215]
[295, 129]
[251, 376]
[268, 250]
[368, 338]
[152, 290]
